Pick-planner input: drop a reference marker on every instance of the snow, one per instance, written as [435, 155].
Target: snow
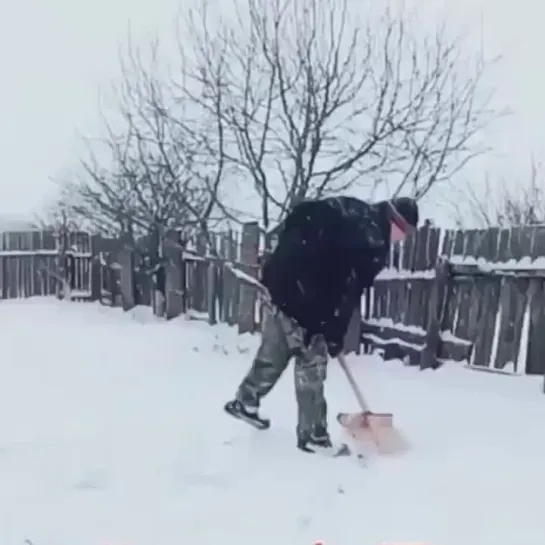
[525, 263]
[446, 335]
[112, 433]
[392, 273]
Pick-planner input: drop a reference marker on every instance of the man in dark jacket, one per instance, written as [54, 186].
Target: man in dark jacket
[328, 252]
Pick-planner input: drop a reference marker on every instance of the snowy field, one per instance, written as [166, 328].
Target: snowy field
[112, 433]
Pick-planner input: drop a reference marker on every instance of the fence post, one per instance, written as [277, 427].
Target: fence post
[95, 269]
[61, 244]
[174, 288]
[228, 281]
[437, 308]
[249, 249]
[212, 281]
[200, 271]
[126, 279]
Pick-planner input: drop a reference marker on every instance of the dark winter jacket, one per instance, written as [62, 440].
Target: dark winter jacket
[328, 252]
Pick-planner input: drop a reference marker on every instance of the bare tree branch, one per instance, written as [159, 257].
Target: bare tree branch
[154, 177]
[59, 215]
[312, 101]
[507, 203]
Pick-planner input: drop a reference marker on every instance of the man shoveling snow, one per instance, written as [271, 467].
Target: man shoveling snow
[328, 252]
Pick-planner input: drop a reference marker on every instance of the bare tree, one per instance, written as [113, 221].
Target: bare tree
[314, 102]
[506, 203]
[58, 213]
[58, 216]
[145, 175]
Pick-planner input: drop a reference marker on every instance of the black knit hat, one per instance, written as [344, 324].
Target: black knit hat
[404, 213]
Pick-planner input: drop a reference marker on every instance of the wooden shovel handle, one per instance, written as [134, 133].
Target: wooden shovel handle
[356, 389]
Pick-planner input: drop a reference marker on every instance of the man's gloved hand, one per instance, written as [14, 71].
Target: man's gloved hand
[308, 337]
[334, 348]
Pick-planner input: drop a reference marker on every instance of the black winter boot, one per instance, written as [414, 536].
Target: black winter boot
[248, 414]
[321, 444]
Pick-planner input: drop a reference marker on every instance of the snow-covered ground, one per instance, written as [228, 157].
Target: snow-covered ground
[112, 433]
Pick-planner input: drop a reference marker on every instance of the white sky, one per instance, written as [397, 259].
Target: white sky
[56, 54]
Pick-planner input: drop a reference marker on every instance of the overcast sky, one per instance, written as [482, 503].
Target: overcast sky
[55, 55]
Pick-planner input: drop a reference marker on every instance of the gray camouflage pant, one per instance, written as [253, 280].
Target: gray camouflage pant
[282, 339]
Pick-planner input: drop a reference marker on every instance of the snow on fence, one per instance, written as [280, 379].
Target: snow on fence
[476, 296]
[473, 296]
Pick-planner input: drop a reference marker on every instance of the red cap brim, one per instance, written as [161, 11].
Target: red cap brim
[399, 220]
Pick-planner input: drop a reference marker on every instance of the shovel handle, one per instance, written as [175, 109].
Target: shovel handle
[356, 389]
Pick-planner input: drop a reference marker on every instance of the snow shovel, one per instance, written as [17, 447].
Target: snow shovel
[369, 427]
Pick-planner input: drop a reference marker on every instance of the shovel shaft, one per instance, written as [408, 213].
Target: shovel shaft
[354, 385]
[387, 439]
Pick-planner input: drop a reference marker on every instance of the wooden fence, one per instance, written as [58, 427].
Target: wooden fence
[44, 263]
[476, 296]
[209, 278]
[473, 296]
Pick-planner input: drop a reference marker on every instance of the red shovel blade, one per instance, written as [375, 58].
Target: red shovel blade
[353, 421]
[375, 429]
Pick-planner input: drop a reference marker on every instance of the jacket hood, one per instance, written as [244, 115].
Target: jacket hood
[371, 220]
